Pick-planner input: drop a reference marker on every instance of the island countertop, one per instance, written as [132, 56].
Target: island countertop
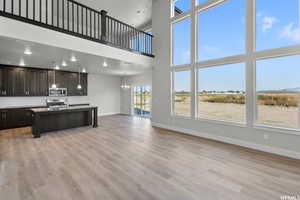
[65, 109]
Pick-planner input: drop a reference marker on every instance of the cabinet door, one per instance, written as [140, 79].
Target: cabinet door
[3, 123]
[8, 76]
[72, 84]
[62, 79]
[19, 82]
[85, 84]
[42, 82]
[21, 118]
[31, 82]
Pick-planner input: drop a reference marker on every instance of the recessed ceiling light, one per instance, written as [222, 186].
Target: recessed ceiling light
[57, 67]
[27, 51]
[105, 64]
[83, 70]
[22, 63]
[73, 59]
[64, 64]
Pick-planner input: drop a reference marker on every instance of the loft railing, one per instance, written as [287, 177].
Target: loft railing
[71, 17]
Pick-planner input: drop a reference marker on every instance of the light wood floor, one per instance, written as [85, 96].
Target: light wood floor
[125, 158]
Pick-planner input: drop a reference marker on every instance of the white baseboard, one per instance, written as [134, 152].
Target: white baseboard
[278, 151]
[107, 114]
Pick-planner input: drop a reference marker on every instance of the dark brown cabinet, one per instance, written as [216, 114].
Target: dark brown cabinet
[69, 80]
[36, 83]
[6, 81]
[42, 83]
[18, 81]
[15, 118]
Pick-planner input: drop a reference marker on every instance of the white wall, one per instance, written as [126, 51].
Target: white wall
[144, 79]
[103, 91]
[280, 142]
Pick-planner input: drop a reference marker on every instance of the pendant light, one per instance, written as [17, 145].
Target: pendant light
[124, 85]
[79, 87]
[53, 86]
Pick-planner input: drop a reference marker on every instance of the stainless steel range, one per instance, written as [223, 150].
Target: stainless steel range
[57, 103]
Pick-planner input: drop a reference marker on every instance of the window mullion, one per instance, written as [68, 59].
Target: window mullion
[193, 59]
[250, 63]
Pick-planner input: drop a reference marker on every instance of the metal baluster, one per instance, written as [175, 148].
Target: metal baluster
[4, 5]
[27, 9]
[52, 13]
[33, 13]
[57, 15]
[77, 19]
[98, 16]
[82, 20]
[90, 23]
[95, 25]
[63, 13]
[72, 17]
[68, 12]
[12, 6]
[46, 11]
[40, 10]
[86, 22]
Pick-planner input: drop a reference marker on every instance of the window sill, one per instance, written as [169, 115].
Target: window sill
[222, 122]
[285, 130]
[181, 116]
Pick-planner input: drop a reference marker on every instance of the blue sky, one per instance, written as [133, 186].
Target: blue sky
[221, 33]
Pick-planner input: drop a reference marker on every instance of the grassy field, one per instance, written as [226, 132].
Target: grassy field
[280, 99]
[273, 108]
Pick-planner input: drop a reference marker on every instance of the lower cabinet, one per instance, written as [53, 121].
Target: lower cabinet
[15, 118]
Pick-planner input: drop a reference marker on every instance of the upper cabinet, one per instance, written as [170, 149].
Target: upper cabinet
[69, 80]
[17, 81]
[6, 81]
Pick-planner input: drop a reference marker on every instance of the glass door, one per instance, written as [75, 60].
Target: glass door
[142, 101]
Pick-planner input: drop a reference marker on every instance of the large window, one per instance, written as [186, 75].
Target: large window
[201, 1]
[180, 6]
[237, 61]
[181, 42]
[221, 32]
[182, 93]
[277, 24]
[221, 92]
[278, 91]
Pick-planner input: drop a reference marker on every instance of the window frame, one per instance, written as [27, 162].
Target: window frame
[177, 20]
[173, 113]
[250, 57]
[197, 115]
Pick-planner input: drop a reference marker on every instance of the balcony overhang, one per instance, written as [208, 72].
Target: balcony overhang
[24, 31]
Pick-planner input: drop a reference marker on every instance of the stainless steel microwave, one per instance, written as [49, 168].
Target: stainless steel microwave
[58, 92]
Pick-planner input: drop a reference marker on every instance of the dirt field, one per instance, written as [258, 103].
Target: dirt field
[277, 115]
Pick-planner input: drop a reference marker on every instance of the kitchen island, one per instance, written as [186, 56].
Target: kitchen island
[54, 119]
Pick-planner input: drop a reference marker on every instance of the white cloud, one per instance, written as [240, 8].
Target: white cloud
[267, 23]
[291, 32]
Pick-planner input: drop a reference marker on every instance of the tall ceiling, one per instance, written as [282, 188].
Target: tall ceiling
[134, 12]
